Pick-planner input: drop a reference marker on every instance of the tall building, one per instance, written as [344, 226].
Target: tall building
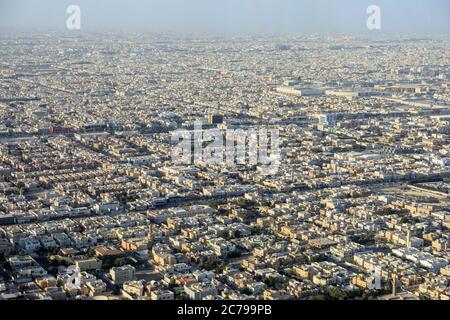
[122, 274]
[327, 119]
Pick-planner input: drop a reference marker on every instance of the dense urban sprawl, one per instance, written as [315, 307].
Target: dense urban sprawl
[93, 207]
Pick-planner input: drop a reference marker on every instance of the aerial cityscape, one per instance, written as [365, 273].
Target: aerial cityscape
[352, 202]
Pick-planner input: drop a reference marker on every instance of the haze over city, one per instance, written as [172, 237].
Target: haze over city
[230, 16]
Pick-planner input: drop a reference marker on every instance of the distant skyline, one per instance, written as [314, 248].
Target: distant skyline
[230, 16]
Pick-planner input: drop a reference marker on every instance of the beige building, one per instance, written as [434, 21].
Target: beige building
[88, 264]
[162, 295]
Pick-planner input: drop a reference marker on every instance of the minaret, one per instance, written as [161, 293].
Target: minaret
[394, 285]
[150, 232]
[408, 239]
[394, 282]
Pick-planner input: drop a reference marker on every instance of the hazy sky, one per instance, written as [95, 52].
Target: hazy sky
[231, 16]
